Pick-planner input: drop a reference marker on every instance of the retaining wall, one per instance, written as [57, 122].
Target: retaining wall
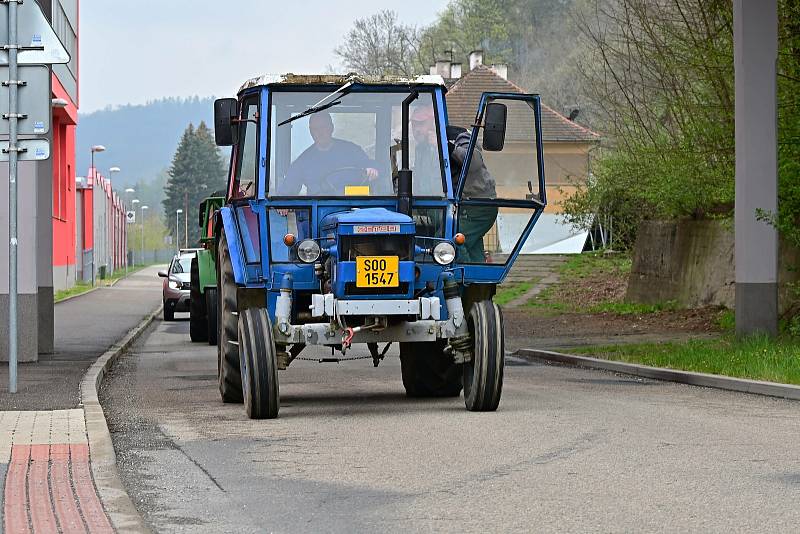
[692, 262]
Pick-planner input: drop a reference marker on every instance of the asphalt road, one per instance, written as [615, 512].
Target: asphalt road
[568, 450]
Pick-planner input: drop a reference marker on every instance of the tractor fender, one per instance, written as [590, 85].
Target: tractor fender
[207, 269]
[231, 230]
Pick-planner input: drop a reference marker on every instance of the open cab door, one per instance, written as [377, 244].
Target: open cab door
[500, 191]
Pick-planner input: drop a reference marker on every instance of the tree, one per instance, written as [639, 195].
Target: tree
[196, 172]
[381, 45]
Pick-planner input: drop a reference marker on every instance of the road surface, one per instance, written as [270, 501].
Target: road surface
[568, 450]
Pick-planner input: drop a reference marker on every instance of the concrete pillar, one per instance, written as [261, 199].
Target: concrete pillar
[44, 242]
[755, 33]
[27, 305]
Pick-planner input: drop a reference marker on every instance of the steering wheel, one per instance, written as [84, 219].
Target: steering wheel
[364, 179]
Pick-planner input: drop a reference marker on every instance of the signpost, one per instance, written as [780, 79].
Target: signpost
[130, 216]
[34, 43]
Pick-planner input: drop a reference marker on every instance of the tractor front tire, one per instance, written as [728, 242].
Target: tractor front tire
[483, 376]
[259, 364]
[429, 372]
[211, 314]
[197, 306]
[228, 368]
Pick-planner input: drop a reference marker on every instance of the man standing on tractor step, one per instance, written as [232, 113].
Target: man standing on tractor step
[473, 221]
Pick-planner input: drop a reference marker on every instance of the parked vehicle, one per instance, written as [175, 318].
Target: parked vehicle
[175, 290]
[351, 216]
[203, 309]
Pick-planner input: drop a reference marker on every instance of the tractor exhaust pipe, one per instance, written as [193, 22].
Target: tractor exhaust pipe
[404, 178]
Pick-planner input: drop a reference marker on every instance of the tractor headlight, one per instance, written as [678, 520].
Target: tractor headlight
[308, 251]
[444, 253]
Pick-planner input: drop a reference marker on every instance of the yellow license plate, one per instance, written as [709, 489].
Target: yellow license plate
[377, 271]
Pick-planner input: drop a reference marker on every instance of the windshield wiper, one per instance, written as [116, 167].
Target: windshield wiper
[322, 104]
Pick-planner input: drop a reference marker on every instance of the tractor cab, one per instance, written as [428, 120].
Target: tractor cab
[356, 214]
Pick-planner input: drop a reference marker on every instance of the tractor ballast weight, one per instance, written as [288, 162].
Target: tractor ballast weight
[357, 213]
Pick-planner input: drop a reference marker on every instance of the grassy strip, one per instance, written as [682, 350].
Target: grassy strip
[757, 358]
[83, 287]
[508, 292]
[583, 287]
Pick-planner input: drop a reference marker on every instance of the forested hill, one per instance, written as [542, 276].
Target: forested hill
[139, 139]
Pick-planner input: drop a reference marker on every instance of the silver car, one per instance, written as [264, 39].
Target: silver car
[177, 280]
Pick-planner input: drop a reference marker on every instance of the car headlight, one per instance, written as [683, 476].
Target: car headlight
[444, 253]
[308, 251]
[174, 284]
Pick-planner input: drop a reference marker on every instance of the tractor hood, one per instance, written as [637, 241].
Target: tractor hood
[366, 221]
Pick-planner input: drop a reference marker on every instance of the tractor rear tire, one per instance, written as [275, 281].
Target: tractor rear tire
[197, 306]
[228, 368]
[211, 314]
[259, 364]
[429, 372]
[483, 376]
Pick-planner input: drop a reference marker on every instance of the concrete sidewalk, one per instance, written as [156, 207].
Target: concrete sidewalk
[45, 462]
[85, 327]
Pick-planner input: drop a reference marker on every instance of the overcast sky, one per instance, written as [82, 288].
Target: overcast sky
[132, 52]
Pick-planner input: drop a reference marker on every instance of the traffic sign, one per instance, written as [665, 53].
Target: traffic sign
[33, 100]
[29, 150]
[130, 216]
[33, 30]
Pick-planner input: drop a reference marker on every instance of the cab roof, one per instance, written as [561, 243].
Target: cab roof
[337, 80]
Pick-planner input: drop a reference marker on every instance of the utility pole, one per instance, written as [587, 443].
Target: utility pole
[13, 84]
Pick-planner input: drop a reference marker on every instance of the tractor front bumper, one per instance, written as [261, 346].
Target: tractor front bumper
[421, 320]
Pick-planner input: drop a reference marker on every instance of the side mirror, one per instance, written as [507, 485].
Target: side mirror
[225, 110]
[163, 274]
[494, 127]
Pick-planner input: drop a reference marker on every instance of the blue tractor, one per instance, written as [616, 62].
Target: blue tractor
[356, 214]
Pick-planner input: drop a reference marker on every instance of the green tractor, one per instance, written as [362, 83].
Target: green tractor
[203, 293]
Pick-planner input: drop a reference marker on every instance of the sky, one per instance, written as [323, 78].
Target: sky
[135, 51]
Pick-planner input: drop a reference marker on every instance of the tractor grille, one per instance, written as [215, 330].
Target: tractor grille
[351, 246]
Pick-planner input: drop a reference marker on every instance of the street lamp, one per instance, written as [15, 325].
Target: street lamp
[143, 208]
[96, 148]
[93, 149]
[129, 191]
[177, 230]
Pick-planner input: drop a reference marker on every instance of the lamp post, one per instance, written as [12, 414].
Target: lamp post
[93, 149]
[177, 230]
[133, 208]
[128, 191]
[142, 209]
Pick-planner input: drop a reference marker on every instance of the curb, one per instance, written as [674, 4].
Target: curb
[116, 501]
[742, 385]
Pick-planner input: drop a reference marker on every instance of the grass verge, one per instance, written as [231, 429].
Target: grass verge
[757, 358]
[508, 292]
[593, 282]
[83, 287]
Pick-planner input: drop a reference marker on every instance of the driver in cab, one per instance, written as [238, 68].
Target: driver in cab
[328, 165]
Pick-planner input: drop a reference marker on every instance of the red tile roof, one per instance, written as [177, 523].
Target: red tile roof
[465, 94]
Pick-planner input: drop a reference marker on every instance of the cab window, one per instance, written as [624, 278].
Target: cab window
[245, 171]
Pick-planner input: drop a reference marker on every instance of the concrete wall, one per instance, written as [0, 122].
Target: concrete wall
[692, 262]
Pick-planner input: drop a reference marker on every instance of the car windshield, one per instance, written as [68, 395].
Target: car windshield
[182, 264]
[353, 146]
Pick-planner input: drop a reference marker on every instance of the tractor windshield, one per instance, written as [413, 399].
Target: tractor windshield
[351, 148]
